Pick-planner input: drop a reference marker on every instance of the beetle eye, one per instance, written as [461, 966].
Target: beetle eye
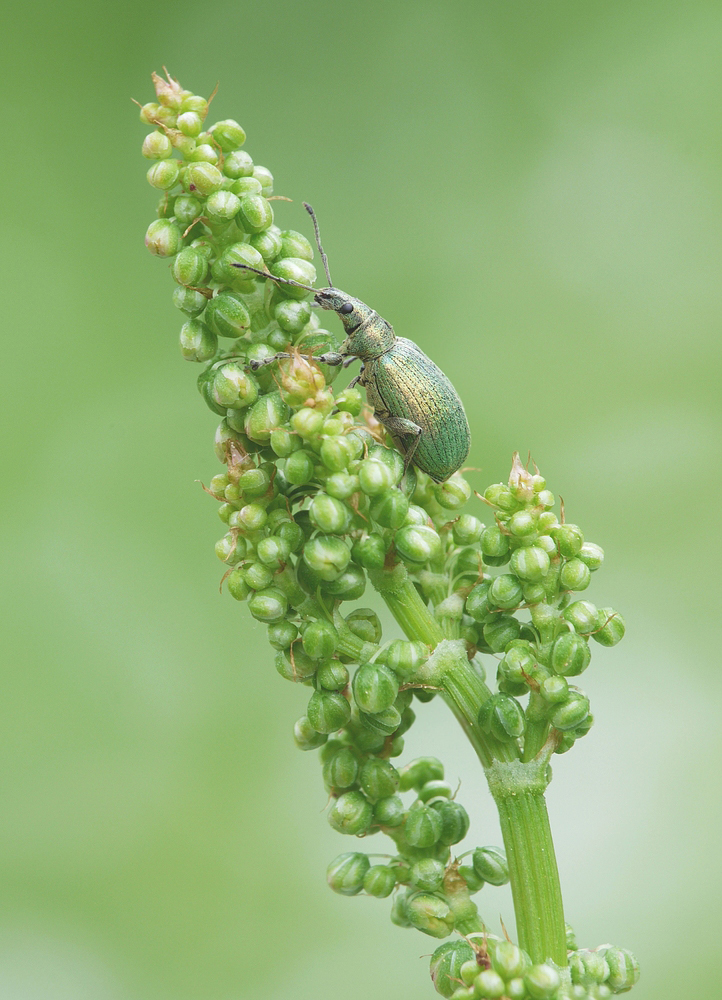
[347, 307]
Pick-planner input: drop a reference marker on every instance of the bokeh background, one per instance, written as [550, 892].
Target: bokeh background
[530, 190]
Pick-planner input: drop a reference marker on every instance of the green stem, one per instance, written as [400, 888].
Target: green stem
[518, 791]
[403, 601]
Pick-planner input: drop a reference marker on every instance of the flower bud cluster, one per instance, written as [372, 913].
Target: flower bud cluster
[485, 967]
[316, 503]
[436, 890]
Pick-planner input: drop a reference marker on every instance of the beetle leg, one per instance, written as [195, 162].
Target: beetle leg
[256, 364]
[400, 427]
[358, 378]
[349, 360]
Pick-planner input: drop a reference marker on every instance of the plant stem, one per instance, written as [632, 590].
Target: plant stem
[518, 791]
[517, 788]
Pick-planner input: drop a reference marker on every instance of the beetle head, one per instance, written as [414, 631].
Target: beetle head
[367, 334]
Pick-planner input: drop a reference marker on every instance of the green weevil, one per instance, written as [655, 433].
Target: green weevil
[409, 394]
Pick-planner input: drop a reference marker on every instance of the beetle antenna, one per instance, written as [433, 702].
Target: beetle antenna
[324, 258]
[283, 281]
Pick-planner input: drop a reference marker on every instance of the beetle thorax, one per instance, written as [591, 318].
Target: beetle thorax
[368, 335]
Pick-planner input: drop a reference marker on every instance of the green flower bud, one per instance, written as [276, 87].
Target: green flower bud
[189, 267]
[281, 634]
[254, 482]
[197, 342]
[237, 586]
[502, 717]
[473, 882]
[530, 563]
[268, 605]
[571, 937]
[157, 146]
[508, 960]
[542, 981]
[516, 990]
[163, 238]
[283, 442]
[203, 152]
[390, 509]
[249, 185]
[623, 969]
[300, 468]
[378, 779]
[291, 315]
[500, 631]
[570, 654]
[454, 820]
[523, 523]
[418, 543]
[325, 555]
[494, 544]
[375, 478]
[222, 206]
[347, 872]
[430, 914]
[319, 640]
[434, 789]
[570, 713]
[554, 689]
[341, 770]
[452, 494]
[328, 711]
[294, 665]
[273, 551]
[254, 215]
[293, 268]
[163, 174]
[190, 123]
[592, 555]
[226, 270]
[380, 724]
[228, 134]
[491, 865]
[149, 113]
[477, 603]
[489, 984]
[306, 737]
[369, 551]
[389, 811]
[351, 813]
[332, 676]
[423, 826]
[398, 911]
[350, 401]
[380, 881]
[575, 575]
[365, 624]
[330, 515]
[610, 627]
[375, 688]
[518, 663]
[295, 245]
[583, 615]
[291, 533]
[348, 586]
[307, 423]
[203, 178]
[569, 539]
[257, 576]
[467, 530]
[419, 771]
[264, 175]
[427, 874]
[268, 244]
[405, 657]
[266, 413]
[505, 592]
[238, 164]
[230, 549]
[189, 300]
[233, 387]
[595, 965]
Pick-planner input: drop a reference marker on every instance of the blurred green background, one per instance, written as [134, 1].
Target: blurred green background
[529, 190]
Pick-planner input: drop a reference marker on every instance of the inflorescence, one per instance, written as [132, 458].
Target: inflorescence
[317, 504]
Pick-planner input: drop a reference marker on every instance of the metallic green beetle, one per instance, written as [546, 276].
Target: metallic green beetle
[410, 395]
